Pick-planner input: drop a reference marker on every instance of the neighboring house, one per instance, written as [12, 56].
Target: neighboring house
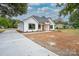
[59, 26]
[35, 23]
[59, 23]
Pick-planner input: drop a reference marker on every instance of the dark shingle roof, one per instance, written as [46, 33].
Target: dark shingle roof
[59, 20]
[41, 19]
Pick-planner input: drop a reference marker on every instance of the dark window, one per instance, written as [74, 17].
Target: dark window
[39, 26]
[31, 26]
[51, 26]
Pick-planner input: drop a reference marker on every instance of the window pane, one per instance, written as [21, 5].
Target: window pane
[39, 26]
[51, 26]
[31, 26]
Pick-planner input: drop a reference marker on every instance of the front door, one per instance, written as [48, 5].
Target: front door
[46, 27]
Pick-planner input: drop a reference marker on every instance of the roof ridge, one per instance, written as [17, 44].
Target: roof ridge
[40, 19]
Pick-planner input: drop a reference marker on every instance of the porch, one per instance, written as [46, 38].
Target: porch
[45, 27]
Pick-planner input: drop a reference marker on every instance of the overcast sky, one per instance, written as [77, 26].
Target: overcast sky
[42, 9]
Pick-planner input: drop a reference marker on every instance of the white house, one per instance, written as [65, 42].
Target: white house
[35, 23]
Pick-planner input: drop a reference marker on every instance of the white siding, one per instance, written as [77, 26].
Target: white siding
[21, 26]
[30, 21]
[52, 23]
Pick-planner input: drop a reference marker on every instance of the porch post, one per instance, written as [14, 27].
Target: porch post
[53, 27]
[41, 27]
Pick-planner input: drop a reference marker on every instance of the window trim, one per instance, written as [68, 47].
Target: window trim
[31, 27]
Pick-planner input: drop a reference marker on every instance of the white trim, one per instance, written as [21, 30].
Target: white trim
[31, 17]
[35, 19]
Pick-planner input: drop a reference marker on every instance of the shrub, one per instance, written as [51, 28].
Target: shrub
[8, 23]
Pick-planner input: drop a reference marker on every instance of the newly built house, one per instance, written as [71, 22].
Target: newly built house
[36, 23]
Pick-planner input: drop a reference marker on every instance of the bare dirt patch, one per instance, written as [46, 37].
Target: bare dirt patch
[57, 42]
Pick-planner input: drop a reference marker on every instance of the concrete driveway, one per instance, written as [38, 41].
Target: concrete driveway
[13, 43]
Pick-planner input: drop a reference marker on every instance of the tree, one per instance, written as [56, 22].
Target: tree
[12, 9]
[4, 22]
[15, 23]
[71, 9]
[8, 23]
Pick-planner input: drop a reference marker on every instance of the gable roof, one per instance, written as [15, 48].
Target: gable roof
[59, 20]
[40, 19]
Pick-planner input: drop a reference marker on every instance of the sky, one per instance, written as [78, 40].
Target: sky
[42, 9]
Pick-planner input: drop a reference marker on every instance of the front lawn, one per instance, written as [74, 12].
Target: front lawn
[71, 31]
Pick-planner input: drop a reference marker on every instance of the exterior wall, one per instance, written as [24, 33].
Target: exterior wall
[59, 26]
[21, 26]
[52, 23]
[30, 21]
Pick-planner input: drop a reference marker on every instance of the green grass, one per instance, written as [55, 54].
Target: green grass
[2, 30]
[71, 31]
